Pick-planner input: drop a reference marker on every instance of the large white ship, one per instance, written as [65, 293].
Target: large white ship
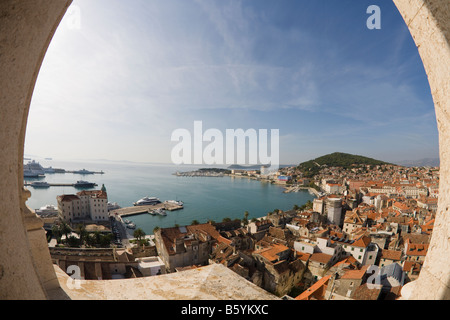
[147, 201]
[33, 169]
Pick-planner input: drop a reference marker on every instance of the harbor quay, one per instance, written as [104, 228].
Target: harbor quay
[135, 210]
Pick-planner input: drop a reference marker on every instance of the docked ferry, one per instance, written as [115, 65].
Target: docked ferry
[84, 184]
[40, 184]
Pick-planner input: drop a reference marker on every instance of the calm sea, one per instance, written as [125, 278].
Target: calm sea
[205, 198]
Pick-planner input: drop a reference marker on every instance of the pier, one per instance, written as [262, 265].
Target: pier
[58, 185]
[135, 210]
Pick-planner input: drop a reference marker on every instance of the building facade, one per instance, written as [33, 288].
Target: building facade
[85, 205]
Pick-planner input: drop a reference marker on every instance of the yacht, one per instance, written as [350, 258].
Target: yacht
[147, 201]
[131, 226]
[83, 171]
[84, 184]
[49, 170]
[113, 206]
[40, 184]
[177, 202]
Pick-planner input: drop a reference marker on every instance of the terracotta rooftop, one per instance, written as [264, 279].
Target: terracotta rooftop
[316, 291]
[391, 254]
[272, 253]
[355, 274]
[93, 193]
[68, 197]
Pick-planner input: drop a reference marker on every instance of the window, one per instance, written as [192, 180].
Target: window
[359, 257]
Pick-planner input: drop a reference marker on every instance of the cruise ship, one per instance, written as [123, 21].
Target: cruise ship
[47, 210]
[147, 201]
[33, 169]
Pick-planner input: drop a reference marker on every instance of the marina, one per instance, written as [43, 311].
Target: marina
[157, 208]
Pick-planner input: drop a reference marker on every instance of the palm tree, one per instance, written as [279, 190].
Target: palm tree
[65, 229]
[56, 230]
[195, 222]
[81, 231]
[139, 234]
[245, 220]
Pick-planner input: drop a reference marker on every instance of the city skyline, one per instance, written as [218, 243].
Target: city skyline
[118, 79]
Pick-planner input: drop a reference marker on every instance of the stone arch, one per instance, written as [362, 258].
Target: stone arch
[26, 271]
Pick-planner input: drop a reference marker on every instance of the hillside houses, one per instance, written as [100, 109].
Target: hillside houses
[364, 236]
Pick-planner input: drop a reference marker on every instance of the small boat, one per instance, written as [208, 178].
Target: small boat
[131, 226]
[151, 212]
[127, 221]
[161, 212]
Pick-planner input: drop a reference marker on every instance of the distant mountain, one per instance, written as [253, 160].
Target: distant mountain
[426, 162]
[336, 159]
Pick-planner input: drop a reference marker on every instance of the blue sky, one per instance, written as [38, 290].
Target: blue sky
[134, 71]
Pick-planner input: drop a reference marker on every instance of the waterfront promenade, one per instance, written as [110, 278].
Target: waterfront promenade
[297, 188]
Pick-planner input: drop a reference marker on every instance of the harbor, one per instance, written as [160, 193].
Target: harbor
[136, 210]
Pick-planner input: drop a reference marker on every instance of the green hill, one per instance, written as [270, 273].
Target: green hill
[336, 159]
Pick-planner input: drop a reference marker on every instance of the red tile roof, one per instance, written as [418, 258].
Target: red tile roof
[317, 290]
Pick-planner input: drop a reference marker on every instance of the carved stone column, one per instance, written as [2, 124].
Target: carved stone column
[26, 30]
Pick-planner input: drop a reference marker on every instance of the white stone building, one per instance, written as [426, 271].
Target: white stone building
[85, 205]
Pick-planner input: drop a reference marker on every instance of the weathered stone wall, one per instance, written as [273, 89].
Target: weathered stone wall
[429, 24]
[26, 30]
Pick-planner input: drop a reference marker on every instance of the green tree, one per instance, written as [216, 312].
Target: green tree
[245, 220]
[56, 231]
[139, 234]
[194, 222]
[80, 229]
[65, 229]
